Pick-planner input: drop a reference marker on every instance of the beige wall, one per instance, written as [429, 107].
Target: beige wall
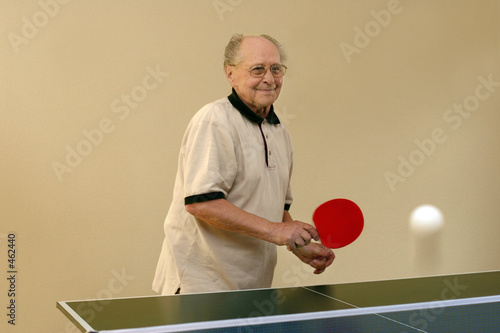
[91, 227]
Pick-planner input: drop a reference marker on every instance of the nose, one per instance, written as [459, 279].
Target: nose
[268, 77]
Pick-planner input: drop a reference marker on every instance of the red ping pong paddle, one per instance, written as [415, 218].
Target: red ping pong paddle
[339, 222]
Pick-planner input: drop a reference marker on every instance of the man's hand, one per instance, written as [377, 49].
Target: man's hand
[315, 255]
[294, 234]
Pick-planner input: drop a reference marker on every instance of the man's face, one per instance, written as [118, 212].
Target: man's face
[258, 93]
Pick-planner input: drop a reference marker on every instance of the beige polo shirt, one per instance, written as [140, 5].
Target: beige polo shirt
[227, 152]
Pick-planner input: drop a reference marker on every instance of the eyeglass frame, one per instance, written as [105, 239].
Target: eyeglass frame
[267, 68]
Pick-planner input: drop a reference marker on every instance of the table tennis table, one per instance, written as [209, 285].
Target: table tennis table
[449, 303]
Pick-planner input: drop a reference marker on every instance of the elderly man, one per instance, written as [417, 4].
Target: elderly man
[232, 189]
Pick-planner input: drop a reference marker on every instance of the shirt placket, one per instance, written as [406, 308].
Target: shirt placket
[267, 139]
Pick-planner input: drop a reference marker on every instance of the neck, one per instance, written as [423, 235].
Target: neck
[263, 112]
[251, 113]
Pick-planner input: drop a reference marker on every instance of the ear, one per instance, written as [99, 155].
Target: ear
[229, 74]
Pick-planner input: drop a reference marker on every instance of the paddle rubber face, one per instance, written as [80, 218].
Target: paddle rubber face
[339, 222]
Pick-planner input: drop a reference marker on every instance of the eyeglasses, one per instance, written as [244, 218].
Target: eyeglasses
[277, 70]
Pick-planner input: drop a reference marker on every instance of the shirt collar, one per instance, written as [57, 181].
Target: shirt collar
[235, 100]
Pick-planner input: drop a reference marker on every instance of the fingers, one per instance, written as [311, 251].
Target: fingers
[303, 240]
[323, 259]
[306, 238]
[318, 271]
[315, 255]
[322, 263]
[300, 242]
[319, 265]
[298, 234]
[307, 233]
[312, 231]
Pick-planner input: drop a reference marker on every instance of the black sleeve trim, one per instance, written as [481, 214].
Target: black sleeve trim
[203, 197]
[287, 206]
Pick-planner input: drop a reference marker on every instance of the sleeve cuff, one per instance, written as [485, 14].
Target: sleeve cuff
[203, 197]
[287, 206]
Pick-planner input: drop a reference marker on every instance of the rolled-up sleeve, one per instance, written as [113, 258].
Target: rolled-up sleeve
[209, 162]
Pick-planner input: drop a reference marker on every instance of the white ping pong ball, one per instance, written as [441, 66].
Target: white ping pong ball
[426, 220]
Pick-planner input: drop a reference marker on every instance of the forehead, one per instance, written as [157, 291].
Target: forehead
[255, 49]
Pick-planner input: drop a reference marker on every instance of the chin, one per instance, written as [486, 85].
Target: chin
[271, 96]
[266, 102]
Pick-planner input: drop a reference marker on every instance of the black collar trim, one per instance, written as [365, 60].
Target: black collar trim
[235, 100]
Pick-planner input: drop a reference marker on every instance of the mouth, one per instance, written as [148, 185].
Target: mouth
[267, 90]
